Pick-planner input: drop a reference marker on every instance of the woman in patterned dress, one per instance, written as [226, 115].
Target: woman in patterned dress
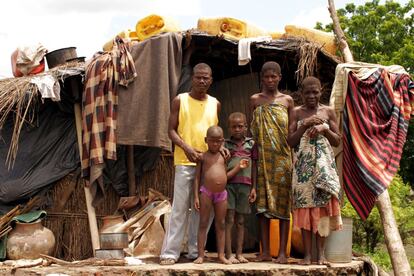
[270, 112]
[315, 184]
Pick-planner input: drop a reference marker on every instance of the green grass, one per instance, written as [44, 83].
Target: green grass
[382, 258]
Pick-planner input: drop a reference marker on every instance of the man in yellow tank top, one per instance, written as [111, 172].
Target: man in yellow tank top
[192, 113]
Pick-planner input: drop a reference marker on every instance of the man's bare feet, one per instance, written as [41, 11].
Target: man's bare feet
[233, 260]
[199, 260]
[305, 261]
[242, 259]
[263, 258]
[224, 260]
[281, 259]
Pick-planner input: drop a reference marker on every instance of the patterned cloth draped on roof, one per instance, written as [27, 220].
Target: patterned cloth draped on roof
[100, 100]
[274, 166]
[378, 104]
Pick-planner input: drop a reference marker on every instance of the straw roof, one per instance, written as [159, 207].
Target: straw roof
[20, 98]
[299, 58]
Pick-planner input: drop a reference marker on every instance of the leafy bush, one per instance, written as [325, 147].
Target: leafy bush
[369, 233]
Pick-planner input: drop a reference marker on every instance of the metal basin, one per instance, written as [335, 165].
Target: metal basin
[113, 240]
[109, 253]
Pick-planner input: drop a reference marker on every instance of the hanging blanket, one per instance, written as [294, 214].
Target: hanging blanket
[100, 100]
[376, 115]
[144, 105]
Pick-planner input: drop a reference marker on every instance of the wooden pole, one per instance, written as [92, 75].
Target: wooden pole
[395, 247]
[93, 225]
[399, 260]
[343, 45]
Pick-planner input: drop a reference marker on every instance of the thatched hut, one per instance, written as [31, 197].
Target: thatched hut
[233, 84]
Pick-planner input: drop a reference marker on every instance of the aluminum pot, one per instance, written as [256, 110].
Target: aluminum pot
[109, 253]
[113, 240]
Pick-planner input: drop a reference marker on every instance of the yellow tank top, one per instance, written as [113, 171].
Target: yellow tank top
[194, 118]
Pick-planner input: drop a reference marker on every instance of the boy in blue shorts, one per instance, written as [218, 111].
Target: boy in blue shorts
[241, 187]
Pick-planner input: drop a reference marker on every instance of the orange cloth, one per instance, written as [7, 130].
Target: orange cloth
[308, 218]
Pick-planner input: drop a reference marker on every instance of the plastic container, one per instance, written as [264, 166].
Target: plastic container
[339, 244]
[297, 242]
[155, 24]
[277, 35]
[327, 40]
[127, 34]
[274, 237]
[229, 27]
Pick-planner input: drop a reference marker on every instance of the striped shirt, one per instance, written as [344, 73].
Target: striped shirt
[245, 150]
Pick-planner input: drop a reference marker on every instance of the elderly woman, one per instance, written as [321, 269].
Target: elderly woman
[315, 183]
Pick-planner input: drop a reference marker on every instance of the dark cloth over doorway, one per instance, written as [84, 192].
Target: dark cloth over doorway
[47, 152]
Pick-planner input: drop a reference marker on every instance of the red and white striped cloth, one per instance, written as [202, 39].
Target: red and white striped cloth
[375, 122]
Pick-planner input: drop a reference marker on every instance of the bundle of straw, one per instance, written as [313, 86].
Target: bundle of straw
[308, 53]
[20, 97]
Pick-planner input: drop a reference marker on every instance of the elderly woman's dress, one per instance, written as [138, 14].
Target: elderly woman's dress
[315, 186]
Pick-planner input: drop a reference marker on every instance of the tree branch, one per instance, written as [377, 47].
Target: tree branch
[343, 45]
[395, 246]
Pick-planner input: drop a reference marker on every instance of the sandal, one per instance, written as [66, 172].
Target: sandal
[168, 261]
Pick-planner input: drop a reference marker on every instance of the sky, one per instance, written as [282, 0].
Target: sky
[88, 24]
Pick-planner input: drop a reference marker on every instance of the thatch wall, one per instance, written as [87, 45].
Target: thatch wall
[69, 220]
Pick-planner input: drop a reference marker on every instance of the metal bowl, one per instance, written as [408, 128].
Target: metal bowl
[59, 56]
[113, 240]
[109, 253]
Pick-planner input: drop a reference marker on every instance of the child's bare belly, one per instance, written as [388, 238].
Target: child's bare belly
[215, 178]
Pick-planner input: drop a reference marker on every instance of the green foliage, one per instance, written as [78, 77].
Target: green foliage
[383, 34]
[407, 160]
[369, 233]
[380, 257]
[379, 33]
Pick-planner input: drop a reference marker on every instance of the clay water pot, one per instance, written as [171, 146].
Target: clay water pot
[29, 240]
[110, 222]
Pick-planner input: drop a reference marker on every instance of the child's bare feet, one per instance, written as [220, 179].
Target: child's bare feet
[305, 261]
[281, 259]
[233, 260]
[263, 258]
[199, 260]
[242, 259]
[323, 261]
[223, 260]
